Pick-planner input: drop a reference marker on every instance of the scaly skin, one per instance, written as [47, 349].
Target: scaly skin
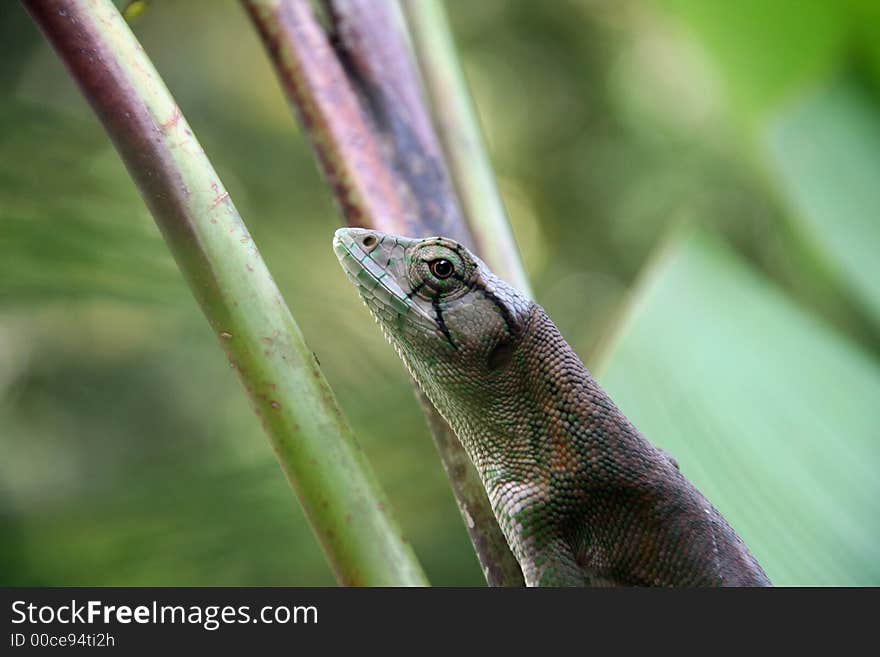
[581, 496]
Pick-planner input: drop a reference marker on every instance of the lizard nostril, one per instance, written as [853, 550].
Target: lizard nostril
[369, 241]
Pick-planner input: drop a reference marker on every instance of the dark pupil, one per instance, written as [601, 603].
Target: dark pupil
[442, 268]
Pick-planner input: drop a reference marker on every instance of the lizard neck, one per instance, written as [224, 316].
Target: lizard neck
[577, 491]
[536, 427]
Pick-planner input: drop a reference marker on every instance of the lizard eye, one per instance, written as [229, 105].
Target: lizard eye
[441, 268]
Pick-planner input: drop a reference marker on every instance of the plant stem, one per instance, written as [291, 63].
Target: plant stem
[358, 99]
[314, 444]
[459, 129]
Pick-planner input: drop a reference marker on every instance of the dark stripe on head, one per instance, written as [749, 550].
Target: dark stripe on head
[474, 284]
[438, 314]
[505, 313]
[456, 248]
[415, 290]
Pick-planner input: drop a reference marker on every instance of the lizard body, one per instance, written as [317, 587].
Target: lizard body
[580, 495]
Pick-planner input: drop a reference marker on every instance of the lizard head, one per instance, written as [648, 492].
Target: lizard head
[452, 321]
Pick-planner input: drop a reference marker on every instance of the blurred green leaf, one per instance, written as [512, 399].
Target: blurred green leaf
[772, 415]
[18, 44]
[825, 154]
[81, 231]
[764, 49]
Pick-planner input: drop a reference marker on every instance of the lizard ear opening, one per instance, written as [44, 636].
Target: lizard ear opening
[501, 354]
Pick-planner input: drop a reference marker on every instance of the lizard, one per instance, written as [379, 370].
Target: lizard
[582, 498]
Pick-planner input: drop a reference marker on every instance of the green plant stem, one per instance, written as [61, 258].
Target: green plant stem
[459, 130]
[386, 170]
[314, 444]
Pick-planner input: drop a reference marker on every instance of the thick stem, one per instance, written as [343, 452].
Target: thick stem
[360, 104]
[313, 442]
[459, 131]
[330, 112]
[369, 38]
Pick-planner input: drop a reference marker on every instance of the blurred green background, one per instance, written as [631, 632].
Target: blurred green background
[695, 187]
